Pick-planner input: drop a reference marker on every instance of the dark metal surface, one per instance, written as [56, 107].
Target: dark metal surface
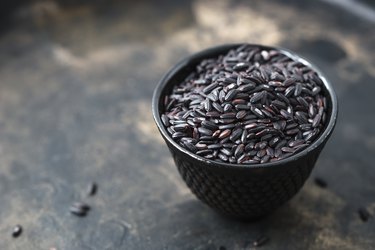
[76, 82]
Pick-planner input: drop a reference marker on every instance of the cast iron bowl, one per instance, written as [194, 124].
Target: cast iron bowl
[239, 190]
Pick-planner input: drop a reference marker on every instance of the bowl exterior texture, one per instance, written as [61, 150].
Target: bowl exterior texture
[241, 195]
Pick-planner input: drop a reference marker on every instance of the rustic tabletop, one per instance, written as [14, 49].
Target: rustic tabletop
[76, 82]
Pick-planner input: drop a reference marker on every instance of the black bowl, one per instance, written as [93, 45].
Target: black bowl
[239, 190]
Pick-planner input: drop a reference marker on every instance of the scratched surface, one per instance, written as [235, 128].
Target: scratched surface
[76, 82]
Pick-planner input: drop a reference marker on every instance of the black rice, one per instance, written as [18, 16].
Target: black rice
[17, 231]
[92, 189]
[364, 215]
[320, 182]
[262, 103]
[79, 209]
[262, 240]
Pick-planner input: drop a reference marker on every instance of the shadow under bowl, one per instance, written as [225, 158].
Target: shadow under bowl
[242, 191]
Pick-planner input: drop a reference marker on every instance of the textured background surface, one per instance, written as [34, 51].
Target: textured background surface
[76, 82]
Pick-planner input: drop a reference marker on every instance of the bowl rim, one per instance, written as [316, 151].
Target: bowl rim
[214, 51]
